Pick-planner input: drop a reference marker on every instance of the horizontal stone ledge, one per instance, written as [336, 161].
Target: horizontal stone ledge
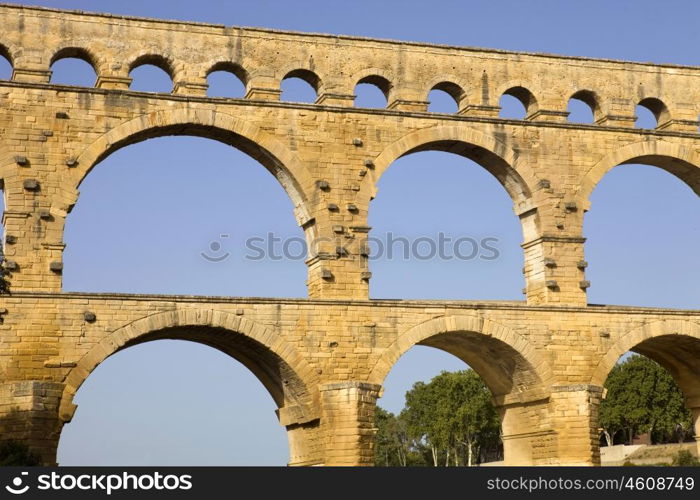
[54, 246]
[296, 415]
[547, 238]
[16, 214]
[524, 435]
[60, 364]
[351, 384]
[520, 398]
[445, 306]
[265, 102]
[577, 388]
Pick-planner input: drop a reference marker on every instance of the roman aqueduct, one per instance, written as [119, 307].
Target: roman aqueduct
[324, 358]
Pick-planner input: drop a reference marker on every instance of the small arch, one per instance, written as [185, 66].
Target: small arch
[658, 110]
[584, 107]
[445, 97]
[509, 103]
[74, 66]
[230, 67]
[369, 91]
[227, 79]
[6, 63]
[151, 73]
[300, 85]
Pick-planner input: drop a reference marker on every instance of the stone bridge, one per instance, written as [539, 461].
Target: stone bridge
[323, 359]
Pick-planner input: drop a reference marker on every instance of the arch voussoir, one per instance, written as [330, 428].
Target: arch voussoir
[663, 151]
[473, 324]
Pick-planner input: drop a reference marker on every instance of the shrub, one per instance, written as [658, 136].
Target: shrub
[685, 459]
[13, 453]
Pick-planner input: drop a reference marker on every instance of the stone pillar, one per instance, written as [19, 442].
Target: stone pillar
[191, 85]
[574, 413]
[34, 261]
[555, 270]
[348, 423]
[31, 74]
[329, 98]
[619, 112]
[302, 424]
[550, 107]
[113, 82]
[338, 261]
[29, 415]
[34, 220]
[408, 98]
[304, 444]
[526, 430]
[263, 88]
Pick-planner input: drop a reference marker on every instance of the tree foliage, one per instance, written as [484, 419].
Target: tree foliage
[13, 453]
[685, 459]
[447, 421]
[642, 397]
[4, 273]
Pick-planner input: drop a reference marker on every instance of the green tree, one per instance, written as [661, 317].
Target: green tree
[422, 422]
[643, 397]
[452, 416]
[391, 441]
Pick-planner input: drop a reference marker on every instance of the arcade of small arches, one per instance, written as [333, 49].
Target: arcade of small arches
[376, 78]
[324, 359]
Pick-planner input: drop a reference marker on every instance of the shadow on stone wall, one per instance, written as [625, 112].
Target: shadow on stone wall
[25, 439]
[15, 452]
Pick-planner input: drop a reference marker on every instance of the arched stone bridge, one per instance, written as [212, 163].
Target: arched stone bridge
[324, 359]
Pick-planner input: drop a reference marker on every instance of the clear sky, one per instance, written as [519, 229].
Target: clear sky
[145, 216]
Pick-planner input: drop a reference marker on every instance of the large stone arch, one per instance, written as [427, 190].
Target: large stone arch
[495, 156]
[673, 343]
[515, 372]
[520, 361]
[677, 159]
[278, 159]
[490, 153]
[291, 382]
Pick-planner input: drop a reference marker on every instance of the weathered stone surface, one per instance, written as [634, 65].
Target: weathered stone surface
[323, 359]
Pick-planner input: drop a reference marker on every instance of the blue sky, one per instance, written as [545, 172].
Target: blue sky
[144, 219]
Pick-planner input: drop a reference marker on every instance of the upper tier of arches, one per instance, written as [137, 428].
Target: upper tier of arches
[334, 66]
[323, 86]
